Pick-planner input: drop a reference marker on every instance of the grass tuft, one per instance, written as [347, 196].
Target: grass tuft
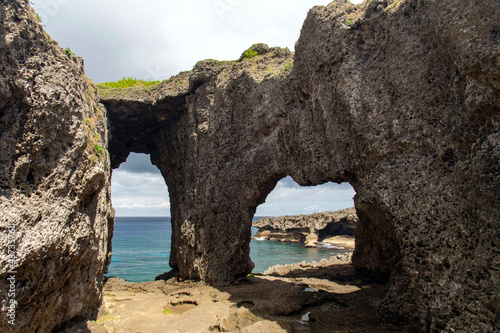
[98, 150]
[105, 318]
[249, 54]
[288, 67]
[127, 82]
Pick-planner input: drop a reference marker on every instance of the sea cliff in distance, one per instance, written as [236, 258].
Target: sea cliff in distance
[318, 229]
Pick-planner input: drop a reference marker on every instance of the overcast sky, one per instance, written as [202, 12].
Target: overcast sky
[155, 39]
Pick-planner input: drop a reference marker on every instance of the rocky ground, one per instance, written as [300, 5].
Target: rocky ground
[295, 298]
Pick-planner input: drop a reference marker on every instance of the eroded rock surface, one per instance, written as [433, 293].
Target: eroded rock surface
[309, 229]
[398, 98]
[55, 206]
[200, 154]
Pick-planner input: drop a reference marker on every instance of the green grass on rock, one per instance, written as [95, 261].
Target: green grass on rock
[127, 82]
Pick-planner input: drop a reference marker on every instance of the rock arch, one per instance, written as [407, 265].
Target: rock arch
[398, 98]
[408, 127]
[223, 150]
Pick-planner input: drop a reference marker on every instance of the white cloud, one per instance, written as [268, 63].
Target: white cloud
[156, 38]
[288, 198]
[137, 193]
[314, 209]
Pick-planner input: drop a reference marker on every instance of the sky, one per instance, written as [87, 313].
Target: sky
[155, 39]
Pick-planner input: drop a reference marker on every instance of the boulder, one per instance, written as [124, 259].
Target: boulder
[56, 217]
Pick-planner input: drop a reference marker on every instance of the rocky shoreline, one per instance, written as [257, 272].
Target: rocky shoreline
[334, 229]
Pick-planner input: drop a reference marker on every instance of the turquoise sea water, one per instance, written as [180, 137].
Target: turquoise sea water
[141, 249]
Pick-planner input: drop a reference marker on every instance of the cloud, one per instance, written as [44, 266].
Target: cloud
[156, 39]
[289, 198]
[138, 189]
[287, 182]
[139, 163]
[314, 208]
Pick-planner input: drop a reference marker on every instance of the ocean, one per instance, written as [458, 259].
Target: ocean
[141, 249]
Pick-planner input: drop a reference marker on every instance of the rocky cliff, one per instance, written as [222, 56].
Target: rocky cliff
[204, 147]
[400, 98]
[56, 218]
[308, 229]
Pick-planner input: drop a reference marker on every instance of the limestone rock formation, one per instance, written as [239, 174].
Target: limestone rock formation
[407, 97]
[398, 98]
[308, 229]
[56, 218]
[203, 149]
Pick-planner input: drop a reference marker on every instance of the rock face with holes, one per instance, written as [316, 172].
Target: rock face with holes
[398, 98]
[55, 209]
[220, 138]
[407, 99]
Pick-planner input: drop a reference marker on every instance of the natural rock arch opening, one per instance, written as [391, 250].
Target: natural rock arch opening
[303, 223]
[221, 157]
[377, 251]
[138, 188]
[142, 233]
[149, 126]
[289, 198]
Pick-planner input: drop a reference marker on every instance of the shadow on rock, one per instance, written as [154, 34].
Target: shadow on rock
[303, 301]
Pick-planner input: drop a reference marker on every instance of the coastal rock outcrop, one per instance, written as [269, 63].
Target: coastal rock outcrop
[56, 218]
[308, 229]
[213, 142]
[400, 98]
